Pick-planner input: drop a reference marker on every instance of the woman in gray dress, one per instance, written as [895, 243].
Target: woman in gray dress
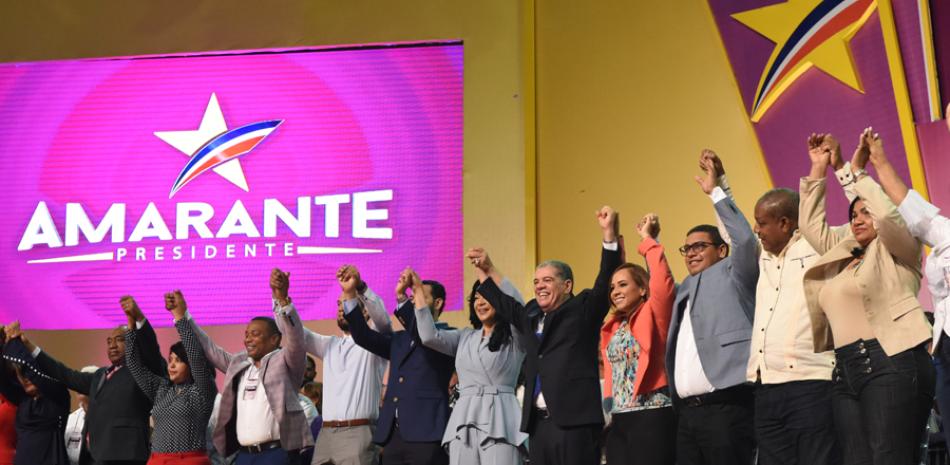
[484, 426]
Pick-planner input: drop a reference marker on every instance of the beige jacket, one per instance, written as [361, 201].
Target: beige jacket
[782, 348]
[889, 277]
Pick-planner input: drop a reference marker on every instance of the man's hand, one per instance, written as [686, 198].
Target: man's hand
[405, 282]
[131, 309]
[607, 219]
[708, 180]
[482, 262]
[863, 151]
[876, 149]
[175, 303]
[12, 330]
[649, 226]
[280, 286]
[707, 154]
[349, 278]
[820, 157]
[833, 147]
[418, 289]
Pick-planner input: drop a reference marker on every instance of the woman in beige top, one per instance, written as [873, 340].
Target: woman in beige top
[862, 299]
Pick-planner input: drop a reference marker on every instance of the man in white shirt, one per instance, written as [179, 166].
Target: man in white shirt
[352, 383]
[260, 418]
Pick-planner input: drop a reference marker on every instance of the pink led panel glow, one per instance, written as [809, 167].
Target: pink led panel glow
[203, 172]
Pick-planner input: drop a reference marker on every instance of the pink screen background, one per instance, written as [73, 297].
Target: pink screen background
[354, 119]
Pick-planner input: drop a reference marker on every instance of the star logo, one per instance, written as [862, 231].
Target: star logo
[212, 146]
[806, 33]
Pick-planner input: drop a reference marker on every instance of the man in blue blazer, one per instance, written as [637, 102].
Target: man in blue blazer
[416, 406]
[708, 347]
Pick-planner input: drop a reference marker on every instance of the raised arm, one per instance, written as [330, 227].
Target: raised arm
[201, 372]
[363, 335]
[216, 355]
[510, 308]
[377, 311]
[73, 379]
[598, 304]
[812, 221]
[890, 226]
[15, 351]
[744, 262]
[294, 351]
[441, 340]
[147, 381]
[662, 285]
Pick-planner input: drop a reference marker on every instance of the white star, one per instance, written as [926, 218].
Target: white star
[212, 125]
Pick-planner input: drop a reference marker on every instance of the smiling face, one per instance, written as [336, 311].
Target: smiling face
[484, 311]
[701, 252]
[115, 346]
[862, 225]
[259, 340]
[625, 293]
[178, 371]
[550, 289]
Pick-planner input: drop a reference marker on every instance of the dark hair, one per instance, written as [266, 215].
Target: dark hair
[501, 334]
[639, 275]
[271, 324]
[711, 230]
[780, 202]
[851, 208]
[438, 291]
[564, 270]
[179, 349]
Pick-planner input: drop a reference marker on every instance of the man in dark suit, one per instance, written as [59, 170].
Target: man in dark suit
[562, 407]
[416, 406]
[116, 430]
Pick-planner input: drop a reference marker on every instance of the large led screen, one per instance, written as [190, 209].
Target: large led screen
[202, 172]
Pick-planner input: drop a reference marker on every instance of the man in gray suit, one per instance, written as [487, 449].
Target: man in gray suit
[708, 347]
[260, 417]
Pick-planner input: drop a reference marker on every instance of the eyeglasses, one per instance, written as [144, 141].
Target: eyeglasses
[694, 247]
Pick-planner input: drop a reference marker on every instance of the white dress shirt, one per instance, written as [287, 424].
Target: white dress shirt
[924, 221]
[73, 434]
[256, 423]
[688, 373]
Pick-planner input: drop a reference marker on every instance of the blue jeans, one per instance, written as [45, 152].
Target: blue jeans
[881, 403]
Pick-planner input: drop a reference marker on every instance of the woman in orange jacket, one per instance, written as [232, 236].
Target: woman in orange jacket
[632, 349]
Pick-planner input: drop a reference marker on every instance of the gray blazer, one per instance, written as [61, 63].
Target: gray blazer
[282, 372]
[722, 306]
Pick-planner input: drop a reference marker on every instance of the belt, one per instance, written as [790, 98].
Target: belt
[485, 390]
[258, 448]
[346, 423]
[740, 392]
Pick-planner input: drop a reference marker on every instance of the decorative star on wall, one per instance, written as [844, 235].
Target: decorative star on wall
[806, 33]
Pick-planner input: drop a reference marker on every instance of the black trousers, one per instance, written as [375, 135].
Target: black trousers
[717, 431]
[942, 364]
[399, 452]
[552, 445]
[793, 425]
[881, 403]
[644, 437]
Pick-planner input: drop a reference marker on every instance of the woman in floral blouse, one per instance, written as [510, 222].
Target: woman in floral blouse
[632, 345]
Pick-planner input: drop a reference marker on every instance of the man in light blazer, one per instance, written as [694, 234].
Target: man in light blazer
[708, 347]
[260, 417]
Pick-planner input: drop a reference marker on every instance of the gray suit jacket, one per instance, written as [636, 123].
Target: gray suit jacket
[722, 306]
[282, 372]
